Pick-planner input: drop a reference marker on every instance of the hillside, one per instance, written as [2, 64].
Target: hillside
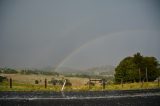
[100, 70]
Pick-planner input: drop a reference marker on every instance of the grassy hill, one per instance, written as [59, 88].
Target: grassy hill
[93, 70]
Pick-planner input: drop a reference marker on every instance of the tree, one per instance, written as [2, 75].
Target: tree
[128, 68]
[151, 64]
[138, 60]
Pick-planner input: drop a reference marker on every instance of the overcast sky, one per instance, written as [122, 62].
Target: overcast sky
[77, 33]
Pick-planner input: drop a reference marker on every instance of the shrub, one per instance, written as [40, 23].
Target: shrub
[68, 83]
[36, 81]
[2, 78]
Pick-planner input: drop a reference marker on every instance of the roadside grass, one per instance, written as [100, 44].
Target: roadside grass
[27, 83]
[4, 86]
[132, 86]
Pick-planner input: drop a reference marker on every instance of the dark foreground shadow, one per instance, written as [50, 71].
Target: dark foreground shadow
[99, 98]
[131, 101]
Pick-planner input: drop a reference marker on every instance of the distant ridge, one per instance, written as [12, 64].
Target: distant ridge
[99, 70]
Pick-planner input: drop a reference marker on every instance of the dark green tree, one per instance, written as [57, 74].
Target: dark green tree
[128, 69]
[151, 65]
[138, 60]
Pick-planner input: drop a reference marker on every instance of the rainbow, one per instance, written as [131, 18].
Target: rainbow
[91, 42]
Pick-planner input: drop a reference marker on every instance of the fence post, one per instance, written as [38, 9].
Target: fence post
[89, 83]
[45, 83]
[122, 83]
[146, 74]
[10, 82]
[142, 83]
[158, 81]
[103, 84]
[139, 75]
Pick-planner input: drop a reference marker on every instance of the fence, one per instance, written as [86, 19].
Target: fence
[104, 85]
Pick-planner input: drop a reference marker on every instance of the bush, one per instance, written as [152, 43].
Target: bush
[56, 82]
[91, 83]
[68, 83]
[53, 81]
[36, 81]
[2, 78]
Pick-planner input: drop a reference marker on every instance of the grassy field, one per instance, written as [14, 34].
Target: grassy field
[27, 83]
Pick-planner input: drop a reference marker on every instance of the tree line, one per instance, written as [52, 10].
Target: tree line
[27, 71]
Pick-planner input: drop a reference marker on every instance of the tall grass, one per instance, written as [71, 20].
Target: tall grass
[4, 86]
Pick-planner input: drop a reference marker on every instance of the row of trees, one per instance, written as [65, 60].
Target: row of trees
[137, 68]
[27, 72]
[8, 71]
